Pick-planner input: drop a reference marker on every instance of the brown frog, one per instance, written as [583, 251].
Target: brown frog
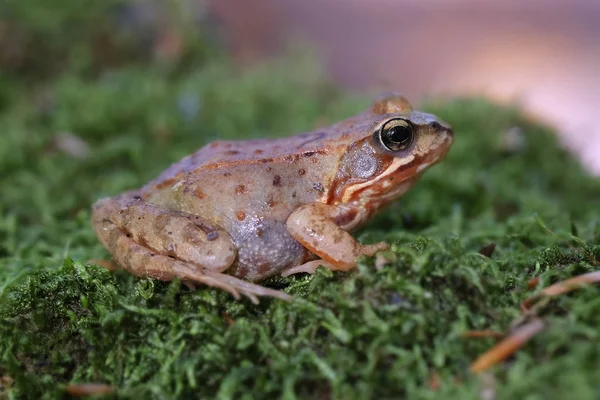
[237, 212]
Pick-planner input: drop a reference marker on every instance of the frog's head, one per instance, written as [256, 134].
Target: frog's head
[399, 144]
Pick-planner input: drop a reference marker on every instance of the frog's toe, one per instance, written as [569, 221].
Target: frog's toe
[372, 249]
[309, 267]
[251, 290]
[231, 284]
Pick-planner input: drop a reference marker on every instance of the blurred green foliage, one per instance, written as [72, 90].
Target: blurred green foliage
[372, 333]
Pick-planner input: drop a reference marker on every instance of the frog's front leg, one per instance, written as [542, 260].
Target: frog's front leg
[152, 241]
[323, 229]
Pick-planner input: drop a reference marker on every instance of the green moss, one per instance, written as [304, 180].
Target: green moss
[371, 333]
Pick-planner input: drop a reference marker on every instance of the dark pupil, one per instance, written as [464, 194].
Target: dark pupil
[399, 135]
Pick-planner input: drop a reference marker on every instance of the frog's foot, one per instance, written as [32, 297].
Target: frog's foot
[308, 267]
[233, 285]
[311, 266]
[321, 228]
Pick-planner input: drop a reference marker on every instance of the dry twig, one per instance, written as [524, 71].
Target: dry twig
[508, 346]
[88, 389]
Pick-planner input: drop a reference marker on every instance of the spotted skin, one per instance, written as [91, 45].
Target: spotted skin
[237, 212]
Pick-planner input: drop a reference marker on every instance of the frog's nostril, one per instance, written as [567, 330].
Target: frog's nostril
[436, 126]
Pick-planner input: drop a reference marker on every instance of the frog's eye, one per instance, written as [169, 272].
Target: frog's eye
[396, 134]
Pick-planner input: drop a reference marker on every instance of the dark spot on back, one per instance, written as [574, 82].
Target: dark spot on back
[277, 180]
[240, 189]
[227, 174]
[258, 151]
[301, 171]
[318, 186]
[231, 152]
[240, 215]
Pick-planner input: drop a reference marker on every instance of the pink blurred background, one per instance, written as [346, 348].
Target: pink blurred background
[543, 54]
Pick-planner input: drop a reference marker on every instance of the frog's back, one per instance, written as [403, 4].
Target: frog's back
[226, 192]
[225, 154]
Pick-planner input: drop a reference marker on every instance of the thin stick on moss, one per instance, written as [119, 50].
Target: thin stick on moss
[508, 346]
[485, 333]
[562, 287]
[88, 389]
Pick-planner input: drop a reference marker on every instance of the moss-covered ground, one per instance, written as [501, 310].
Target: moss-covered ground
[391, 332]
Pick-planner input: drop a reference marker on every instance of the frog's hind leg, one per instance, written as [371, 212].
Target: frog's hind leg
[159, 243]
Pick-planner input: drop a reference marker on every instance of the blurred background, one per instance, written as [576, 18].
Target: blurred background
[543, 55]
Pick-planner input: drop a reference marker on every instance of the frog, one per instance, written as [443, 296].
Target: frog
[237, 212]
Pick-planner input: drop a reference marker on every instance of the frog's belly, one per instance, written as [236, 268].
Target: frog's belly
[265, 248]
